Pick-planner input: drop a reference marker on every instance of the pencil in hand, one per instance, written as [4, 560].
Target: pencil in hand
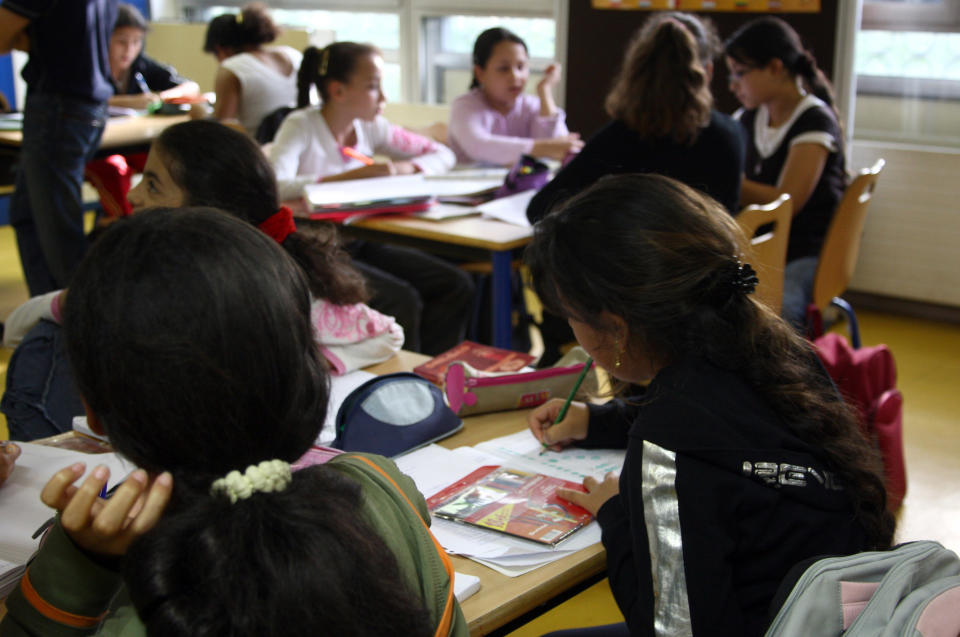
[566, 405]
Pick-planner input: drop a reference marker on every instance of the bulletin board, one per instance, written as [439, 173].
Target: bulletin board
[747, 6]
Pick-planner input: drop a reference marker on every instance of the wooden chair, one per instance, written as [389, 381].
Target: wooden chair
[838, 256]
[767, 253]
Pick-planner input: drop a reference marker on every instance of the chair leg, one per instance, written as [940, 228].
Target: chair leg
[851, 318]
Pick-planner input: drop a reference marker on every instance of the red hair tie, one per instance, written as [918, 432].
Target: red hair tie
[279, 225]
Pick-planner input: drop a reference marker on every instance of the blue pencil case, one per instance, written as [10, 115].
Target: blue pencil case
[392, 414]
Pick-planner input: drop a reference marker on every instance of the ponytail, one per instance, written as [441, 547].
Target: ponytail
[299, 557]
[759, 41]
[252, 26]
[335, 62]
[662, 90]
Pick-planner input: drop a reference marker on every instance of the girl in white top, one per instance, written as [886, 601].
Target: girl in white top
[336, 141]
[253, 80]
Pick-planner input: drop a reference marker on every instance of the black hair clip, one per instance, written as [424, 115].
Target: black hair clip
[745, 278]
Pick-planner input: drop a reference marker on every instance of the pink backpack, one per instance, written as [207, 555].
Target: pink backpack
[867, 378]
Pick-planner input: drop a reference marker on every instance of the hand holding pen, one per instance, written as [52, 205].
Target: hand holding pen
[557, 423]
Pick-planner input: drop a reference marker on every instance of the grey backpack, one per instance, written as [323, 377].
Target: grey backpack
[911, 590]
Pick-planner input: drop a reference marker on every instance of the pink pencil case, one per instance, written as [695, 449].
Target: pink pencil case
[470, 392]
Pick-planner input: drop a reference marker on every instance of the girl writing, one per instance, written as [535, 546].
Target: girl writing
[794, 143]
[430, 297]
[254, 79]
[663, 119]
[742, 459]
[496, 123]
[138, 82]
[174, 362]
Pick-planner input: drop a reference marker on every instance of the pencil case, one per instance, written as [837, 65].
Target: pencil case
[470, 392]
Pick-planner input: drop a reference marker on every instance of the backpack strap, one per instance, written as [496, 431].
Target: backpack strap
[446, 620]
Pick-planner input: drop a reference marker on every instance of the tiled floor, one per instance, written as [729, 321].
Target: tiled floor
[928, 360]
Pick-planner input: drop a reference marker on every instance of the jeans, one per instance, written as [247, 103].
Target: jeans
[60, 135]
[798, 290]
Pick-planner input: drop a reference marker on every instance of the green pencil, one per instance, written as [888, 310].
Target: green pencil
[573, 392]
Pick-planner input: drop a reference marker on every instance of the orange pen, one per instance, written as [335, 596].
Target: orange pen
[353, 152]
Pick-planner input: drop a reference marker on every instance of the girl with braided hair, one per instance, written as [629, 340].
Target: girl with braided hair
[742, 459]
[794, 143]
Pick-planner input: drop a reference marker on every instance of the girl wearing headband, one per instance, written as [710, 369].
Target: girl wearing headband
[213, 397]
[794, 143]
[742, 458]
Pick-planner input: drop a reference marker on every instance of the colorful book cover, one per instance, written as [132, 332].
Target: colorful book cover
[483, 358]
[516, 502]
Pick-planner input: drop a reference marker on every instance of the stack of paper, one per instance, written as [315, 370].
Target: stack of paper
[22, 511]
[434, 468]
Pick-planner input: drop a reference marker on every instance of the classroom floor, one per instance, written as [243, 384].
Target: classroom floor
[928, 361]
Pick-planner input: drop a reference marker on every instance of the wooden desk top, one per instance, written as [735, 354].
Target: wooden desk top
[120, 131]
[500, 598]
[474, 231]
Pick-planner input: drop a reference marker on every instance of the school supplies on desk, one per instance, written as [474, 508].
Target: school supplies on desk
[480, 357]
[470, 391]
[512, 501]
[347, 211]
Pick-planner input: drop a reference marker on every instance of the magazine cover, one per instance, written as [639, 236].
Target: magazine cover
[511, 501]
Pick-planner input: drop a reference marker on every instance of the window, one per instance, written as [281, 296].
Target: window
[908, 71]
[426, 43]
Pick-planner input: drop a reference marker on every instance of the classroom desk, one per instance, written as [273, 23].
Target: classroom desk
[473, 238]
[121, 133]
[501, 599]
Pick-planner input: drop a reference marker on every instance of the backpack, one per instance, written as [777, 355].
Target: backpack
[911, 590]
[867, 378]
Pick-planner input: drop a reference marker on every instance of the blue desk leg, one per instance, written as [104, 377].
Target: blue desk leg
[502, 305]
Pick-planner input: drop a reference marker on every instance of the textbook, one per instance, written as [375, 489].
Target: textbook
[391, 205]
[512, 501]
[483, 358]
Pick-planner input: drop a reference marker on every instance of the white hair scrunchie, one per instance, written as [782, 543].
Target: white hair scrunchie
[268, 476]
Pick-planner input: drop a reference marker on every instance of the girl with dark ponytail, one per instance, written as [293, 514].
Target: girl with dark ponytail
[213, 397]
[742, 459]
[794, 143]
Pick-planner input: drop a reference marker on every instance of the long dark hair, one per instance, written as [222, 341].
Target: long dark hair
[251, 27]
[759, 41]
[190, 339]
[334, 62]
[233, 174]
[663, 87]
[679, 248]
[486, 42]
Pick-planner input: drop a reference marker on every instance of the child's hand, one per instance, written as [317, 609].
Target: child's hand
[9, 453]
[597, 492]
[572, 427]
[557, 147]
[551, 76]
[107, 527]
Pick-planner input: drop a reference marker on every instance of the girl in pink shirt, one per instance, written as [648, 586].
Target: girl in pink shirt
[496, 123]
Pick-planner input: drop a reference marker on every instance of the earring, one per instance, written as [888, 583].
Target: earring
[617, 360]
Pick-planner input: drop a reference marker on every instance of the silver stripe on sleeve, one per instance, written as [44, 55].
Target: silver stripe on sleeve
[661, 511]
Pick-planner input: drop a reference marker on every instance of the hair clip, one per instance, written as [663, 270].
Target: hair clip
[745, 279]
[324, 62]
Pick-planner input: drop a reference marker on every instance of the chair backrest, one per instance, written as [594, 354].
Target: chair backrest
[838, 256]
[768, 251]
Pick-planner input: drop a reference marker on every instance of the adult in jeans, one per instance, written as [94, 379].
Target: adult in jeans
[68, 84]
